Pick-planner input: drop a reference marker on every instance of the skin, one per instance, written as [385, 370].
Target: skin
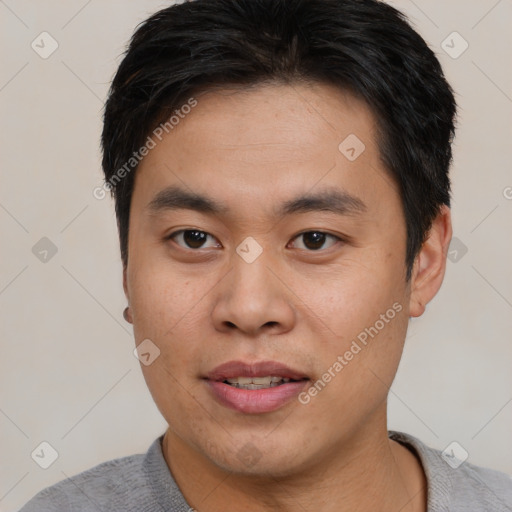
[253, 150]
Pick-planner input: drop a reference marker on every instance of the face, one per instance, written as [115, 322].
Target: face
[289, 265]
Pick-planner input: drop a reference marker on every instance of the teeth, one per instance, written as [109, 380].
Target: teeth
[257, 382]
[241, 380]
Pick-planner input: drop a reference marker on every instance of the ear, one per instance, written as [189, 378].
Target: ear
[125, 285]
[430, 264]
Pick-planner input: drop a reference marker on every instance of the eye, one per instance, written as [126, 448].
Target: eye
[314, 240]
[191, 238]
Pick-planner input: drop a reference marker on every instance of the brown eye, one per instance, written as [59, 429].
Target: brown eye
[190, 238]
[314, 240]
[194, 239]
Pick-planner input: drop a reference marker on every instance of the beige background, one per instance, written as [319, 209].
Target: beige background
[68, 375]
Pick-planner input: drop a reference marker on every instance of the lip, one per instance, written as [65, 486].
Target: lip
[233, 369]
[255, 401]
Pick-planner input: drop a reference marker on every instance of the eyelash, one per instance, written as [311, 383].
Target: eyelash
[181, 231]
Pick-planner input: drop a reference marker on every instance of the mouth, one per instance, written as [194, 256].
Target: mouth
[255, 388]
[258, 382]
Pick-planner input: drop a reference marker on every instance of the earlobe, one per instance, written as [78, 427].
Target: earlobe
[126, 313]
[430, 264]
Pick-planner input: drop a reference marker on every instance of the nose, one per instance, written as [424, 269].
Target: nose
[254, 299]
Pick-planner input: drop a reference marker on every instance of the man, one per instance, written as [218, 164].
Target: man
[280, 172]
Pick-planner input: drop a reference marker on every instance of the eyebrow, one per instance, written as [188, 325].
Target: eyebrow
[330, 199]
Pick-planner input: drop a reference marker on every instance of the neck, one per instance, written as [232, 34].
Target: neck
[368, 471]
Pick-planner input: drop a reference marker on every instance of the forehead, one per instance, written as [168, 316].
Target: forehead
[250, 146]
[285, 116]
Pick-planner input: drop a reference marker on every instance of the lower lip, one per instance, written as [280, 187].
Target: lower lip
[256, 401]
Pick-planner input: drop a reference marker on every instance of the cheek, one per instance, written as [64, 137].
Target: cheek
[350, 297]
[163, 298]
[360, 311]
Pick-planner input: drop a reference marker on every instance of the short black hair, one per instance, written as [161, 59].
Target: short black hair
[365, 47]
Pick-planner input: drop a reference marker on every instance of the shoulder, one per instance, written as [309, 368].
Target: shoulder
[109, 486]
[455, 484]
[475, 485]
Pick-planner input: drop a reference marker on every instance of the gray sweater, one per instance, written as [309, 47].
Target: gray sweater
[143, 483]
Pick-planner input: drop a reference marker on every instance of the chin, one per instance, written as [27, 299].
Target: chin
[262, 456]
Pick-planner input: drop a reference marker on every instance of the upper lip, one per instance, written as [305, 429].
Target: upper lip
[233, 369]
